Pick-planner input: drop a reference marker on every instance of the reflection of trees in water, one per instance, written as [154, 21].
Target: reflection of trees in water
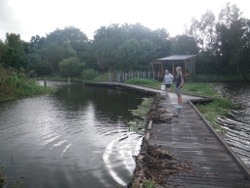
[112, 103]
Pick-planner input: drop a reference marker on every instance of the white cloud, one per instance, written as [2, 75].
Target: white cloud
[29, 17]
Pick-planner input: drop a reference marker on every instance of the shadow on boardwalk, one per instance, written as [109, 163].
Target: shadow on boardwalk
[199, 157]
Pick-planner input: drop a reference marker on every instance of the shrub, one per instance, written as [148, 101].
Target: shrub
[71, 67]
[89, 74]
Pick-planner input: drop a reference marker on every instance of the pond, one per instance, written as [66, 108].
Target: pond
[77, 137]
[237, 123]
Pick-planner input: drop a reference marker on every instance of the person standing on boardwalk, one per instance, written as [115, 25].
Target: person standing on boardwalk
[168, 80]
[178, 84]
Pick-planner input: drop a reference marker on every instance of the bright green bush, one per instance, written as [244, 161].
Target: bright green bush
[89, 74]
[144, 82]
[71, 67]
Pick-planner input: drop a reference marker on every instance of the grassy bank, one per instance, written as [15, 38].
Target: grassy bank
[24, 88]
[221, 78]
[220, 106]
[15, 85]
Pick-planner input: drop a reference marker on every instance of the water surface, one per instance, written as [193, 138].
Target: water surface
[76, 137]
[237, 123]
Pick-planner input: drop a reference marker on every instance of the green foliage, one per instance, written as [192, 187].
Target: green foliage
[222, 43]
[135, 55]
[149, 184]
[183, 44]
[199, 88]
[143, 109]
[231, 78]
[71, 67]
[44, 68]
[14, 85]
[72, 35]
[101, 78]
[12, 52]
[9, 182]
[68, 50]
[89, 74]
[54, 54]
[129, 47]
[138, 124]
[144, 82]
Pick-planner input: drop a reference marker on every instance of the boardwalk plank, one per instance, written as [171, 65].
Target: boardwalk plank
[188, 137]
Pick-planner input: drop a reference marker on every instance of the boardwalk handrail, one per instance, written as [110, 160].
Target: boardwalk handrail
[231, 152]
[121, 77]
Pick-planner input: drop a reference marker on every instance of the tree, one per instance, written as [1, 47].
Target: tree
[71, 67]
[37, 42]
[204, 31]
[68, 50]
[109, 41]
[135, 55]
[35, 63]
[72, 35]
[230, 29]
[162, 42]
[14, 41]
[14, 55]
[44, 68]
[54, 54]
[183, 45]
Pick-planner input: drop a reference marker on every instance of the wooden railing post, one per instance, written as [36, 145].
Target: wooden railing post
[45, 81]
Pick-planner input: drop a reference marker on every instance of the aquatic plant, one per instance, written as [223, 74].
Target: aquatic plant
[9, 182]
[138, 124]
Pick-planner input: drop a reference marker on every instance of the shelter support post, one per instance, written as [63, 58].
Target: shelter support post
[173, 68]
[152, 67]
[185, 71]
[162, 69]
[194, 66]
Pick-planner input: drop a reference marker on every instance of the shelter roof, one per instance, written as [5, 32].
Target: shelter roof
[177, 57]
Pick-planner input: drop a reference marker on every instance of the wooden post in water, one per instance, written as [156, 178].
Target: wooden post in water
[68, 81]
[45, 81]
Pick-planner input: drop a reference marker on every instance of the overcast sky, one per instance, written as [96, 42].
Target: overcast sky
[38, 17]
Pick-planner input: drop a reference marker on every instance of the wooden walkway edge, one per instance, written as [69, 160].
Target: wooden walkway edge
[190, 137]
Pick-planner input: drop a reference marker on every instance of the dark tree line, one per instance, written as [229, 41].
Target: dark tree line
[222, 46]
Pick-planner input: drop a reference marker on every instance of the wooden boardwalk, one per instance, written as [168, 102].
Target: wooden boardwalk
[189, 137]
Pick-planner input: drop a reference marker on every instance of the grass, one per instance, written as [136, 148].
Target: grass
[22, 87]
[139, 123]
[145, 82]
[220, 106]
[232, 78]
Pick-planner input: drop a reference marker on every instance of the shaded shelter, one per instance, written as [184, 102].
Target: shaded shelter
[187, 62]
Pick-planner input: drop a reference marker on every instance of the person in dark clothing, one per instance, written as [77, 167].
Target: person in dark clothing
[178, 86]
